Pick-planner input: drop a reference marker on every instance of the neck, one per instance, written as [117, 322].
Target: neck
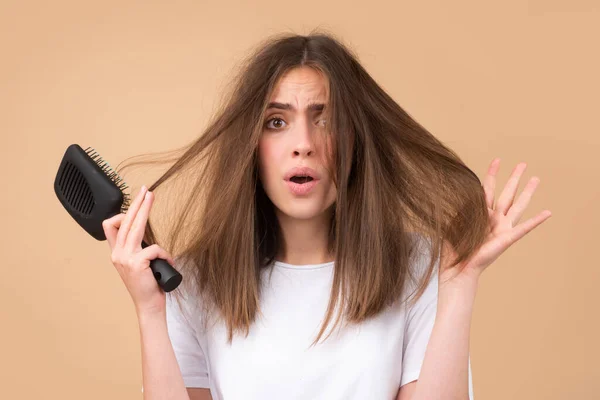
[304, 241]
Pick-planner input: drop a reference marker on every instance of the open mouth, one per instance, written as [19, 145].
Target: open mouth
[301, 179]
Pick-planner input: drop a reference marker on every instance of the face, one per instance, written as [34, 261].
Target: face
[294, 137]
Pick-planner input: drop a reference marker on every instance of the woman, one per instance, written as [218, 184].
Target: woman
[331, 246]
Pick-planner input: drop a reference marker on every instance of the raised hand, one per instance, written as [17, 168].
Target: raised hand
[504, 219]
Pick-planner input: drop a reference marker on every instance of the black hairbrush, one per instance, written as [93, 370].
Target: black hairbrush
[91, 192]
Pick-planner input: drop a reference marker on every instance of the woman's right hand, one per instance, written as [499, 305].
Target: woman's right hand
[124, 233]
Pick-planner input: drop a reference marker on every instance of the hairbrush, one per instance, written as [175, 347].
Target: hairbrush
[91, 192]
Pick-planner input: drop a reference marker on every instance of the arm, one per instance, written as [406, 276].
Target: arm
[444, 373]
[161, 376]
[199, 394]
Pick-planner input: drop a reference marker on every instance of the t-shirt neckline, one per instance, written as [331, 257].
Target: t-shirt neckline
[303, 266]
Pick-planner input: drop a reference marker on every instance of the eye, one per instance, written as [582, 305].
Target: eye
[268, 125]
[323, 122]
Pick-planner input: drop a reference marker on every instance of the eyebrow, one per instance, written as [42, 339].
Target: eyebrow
[288, 106]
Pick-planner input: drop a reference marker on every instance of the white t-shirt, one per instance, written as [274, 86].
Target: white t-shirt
[367, 361]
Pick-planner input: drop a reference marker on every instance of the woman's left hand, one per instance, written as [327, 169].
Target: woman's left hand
[504, 217]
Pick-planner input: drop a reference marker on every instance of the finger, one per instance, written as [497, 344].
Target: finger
[527, 226]
[489, 182]
[138, 227]
[111, 228]
[507, 196]
[155, 251]
[516, 211]
[130, 216]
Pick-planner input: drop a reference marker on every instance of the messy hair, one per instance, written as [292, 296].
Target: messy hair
[395, 181]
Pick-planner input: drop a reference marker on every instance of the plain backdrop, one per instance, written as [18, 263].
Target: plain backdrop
[513, 79]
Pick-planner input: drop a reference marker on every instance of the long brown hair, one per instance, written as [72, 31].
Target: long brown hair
[394, 179]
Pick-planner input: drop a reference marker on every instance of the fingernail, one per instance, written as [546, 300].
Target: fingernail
[144, 188]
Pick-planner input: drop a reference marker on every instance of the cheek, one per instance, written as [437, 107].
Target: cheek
[326, 152]
[329, 147]
[266, 157]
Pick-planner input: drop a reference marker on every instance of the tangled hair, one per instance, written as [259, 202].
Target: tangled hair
[395, 181]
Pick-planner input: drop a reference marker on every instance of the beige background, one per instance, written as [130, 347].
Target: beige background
[513, 79]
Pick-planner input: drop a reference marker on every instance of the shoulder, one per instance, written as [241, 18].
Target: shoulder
[422, 267]
[186, 301]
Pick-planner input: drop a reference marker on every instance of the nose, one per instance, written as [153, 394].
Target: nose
[303, 141]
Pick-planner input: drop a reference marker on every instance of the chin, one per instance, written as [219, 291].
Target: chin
[304, 212]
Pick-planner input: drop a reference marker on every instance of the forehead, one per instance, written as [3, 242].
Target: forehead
[301, 84]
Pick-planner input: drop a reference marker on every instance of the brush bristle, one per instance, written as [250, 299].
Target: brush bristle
[110, 173]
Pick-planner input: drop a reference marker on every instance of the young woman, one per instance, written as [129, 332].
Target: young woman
[331, 246]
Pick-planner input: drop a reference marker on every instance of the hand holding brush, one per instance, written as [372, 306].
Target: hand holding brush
[124, 233]
[94, 195]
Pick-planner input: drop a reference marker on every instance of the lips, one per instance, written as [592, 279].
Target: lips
[301, 175]
[301, 180]
[301, 189]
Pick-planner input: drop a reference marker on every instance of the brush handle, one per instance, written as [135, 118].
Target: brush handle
[168, 278]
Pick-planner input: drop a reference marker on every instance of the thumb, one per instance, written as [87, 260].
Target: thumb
[111, 228]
